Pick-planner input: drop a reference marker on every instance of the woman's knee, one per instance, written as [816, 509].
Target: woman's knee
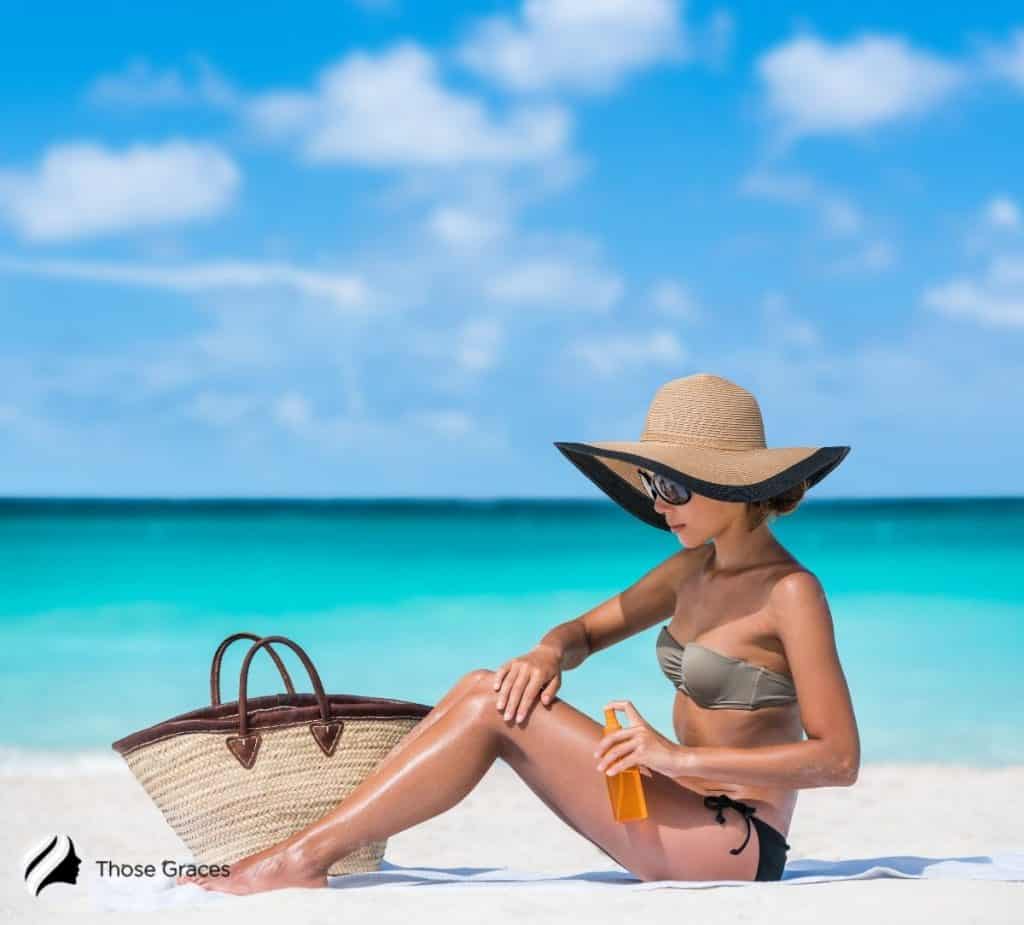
[478, 691]
[478, 678]
[478, 681]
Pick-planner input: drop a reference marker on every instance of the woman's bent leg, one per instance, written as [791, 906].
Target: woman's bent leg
[461, 687]
[680, 839]
[552, 750]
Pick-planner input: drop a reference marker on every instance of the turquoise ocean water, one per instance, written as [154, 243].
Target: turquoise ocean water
[111, 610]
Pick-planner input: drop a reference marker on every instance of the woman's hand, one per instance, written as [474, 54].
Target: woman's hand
[520, 679]
[637, 745]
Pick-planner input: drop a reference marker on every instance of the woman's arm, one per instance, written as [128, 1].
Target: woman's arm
[649, 599]
[569, 640]
[794, 765]
[830, 756]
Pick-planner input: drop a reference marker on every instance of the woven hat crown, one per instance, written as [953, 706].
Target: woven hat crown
[704, 410]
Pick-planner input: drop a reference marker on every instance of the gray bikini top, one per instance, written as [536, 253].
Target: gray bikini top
[719, 682]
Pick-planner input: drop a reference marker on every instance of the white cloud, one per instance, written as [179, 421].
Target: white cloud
[391, 109]
[259, 347]
[140, 85]
[716, 41]
[472, 346]
[463, 229]
[587, 45]
[446, 422]
[838, 217]
[816, 87]
[81, 189]
[997, 221]
[675, 300]
[342, 290]
[1007, 61]
[293, 410]
[218, 409]
[993, 300]
[557, 283]
[238, 340]
[1002, 212]
[837, 213]
[35, 430]
[477, 344]
[611, 355]
[784, 325]
[873, 257]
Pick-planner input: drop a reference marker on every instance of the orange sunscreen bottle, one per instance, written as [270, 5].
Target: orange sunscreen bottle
[625, 789]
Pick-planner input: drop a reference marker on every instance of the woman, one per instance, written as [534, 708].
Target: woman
[749, 646]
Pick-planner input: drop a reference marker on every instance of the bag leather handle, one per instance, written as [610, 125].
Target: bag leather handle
[325, 731]
[218, 657]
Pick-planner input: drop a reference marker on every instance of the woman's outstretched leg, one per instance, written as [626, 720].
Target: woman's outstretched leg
[553, 751]
[436, 770]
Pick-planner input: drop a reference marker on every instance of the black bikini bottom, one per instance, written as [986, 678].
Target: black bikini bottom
[772, 841]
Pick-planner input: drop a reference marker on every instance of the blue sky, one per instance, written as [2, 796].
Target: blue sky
[385, 248]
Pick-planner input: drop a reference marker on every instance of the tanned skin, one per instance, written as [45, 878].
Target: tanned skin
[736, 590]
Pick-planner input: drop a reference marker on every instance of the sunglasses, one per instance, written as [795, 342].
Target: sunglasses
[670, 491]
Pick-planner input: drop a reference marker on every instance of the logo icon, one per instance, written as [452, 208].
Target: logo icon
[52, 860]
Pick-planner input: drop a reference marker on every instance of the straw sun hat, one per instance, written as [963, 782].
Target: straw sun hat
[706, 433]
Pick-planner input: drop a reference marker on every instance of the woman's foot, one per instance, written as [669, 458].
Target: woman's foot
[278, 867]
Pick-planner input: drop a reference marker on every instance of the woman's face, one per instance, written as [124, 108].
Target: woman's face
[699, 519]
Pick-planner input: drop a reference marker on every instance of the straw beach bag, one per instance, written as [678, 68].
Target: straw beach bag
[234, 778]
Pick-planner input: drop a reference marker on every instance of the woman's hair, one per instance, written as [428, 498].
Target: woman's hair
[778, 506]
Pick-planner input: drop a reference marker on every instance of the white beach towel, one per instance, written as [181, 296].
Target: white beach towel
[161, 893]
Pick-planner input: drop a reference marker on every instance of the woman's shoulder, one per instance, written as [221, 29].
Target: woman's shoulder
[794, 578]
[796, 590]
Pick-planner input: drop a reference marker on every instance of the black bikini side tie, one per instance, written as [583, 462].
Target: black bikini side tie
[721, 802]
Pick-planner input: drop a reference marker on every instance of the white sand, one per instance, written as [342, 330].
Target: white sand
[892, 810]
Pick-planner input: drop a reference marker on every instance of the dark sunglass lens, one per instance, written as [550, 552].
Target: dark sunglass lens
[671, 491]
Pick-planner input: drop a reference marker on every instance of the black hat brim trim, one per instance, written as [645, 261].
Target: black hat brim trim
[587, 459]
